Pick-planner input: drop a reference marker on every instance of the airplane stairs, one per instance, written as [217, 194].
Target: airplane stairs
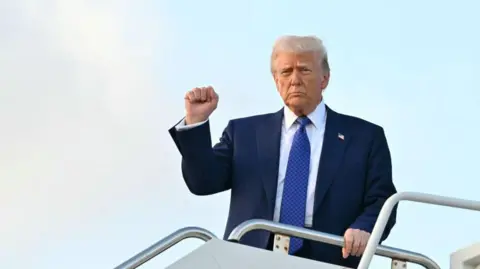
[217, 253]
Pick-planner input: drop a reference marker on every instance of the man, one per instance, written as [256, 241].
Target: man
[305, 165]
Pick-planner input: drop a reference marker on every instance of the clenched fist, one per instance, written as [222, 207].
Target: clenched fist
[199, 104]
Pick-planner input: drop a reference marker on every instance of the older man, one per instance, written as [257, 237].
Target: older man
[305, 165]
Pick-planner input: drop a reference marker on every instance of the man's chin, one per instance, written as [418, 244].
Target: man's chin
[297, 105]
[296, 100]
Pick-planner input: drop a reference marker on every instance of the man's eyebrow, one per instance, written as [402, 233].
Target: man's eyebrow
[284, 68]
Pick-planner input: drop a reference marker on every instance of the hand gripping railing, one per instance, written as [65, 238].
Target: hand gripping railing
[398, 256]
[407, 196]
[164, 244]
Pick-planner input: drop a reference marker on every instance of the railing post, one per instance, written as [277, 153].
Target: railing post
[397, 264]
[281, 243]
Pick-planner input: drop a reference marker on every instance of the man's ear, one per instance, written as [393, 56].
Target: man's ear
[325, 80]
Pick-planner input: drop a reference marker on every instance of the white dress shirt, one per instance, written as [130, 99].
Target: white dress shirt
[315, 132]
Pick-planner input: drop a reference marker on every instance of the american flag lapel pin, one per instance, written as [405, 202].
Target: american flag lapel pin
[341, 136]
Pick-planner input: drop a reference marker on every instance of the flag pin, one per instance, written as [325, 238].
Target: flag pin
[341, 136]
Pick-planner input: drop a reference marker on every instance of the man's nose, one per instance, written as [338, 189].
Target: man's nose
[296, 79]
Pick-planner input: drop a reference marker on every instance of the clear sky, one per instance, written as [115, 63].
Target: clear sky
[89, 175]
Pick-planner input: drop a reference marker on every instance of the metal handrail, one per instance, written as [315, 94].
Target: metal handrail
[387, 209]
[279, 228]
[164, 244]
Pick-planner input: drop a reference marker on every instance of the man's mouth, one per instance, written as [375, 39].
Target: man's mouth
[296, 94]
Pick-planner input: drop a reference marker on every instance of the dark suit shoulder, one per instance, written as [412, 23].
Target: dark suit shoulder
[252, 120]
[359, 126]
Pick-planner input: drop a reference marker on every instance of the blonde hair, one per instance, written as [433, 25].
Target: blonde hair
[300, 44]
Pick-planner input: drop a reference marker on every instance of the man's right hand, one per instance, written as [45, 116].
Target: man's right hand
[199, 104]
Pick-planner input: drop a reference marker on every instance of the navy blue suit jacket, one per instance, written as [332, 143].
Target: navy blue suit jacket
[353, 182]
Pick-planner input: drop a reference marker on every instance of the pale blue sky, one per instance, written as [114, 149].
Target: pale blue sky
[88, 89]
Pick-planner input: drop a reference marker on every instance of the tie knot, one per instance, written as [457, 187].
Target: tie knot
[303, 121]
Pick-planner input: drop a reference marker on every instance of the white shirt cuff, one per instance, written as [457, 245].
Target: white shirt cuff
[182, 126]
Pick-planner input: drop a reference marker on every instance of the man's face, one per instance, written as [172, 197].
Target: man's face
[299, 80]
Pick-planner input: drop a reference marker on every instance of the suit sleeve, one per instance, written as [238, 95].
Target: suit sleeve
[379, 186]
[206, 170]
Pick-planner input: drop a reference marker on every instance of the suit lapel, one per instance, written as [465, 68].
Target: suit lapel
[334, 144]
[268, 149]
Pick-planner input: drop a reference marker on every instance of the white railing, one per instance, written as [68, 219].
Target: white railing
[283, 232]
[398, 256]
[387, 209]
[164, 244]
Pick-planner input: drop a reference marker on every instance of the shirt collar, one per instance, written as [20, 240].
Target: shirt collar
[317, 116]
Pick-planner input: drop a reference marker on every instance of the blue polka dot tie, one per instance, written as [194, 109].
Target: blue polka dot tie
[294, 197]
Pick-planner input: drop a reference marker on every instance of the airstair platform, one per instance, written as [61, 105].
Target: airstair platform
[221, 254]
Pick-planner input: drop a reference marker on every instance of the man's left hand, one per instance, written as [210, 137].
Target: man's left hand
[355, 242]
